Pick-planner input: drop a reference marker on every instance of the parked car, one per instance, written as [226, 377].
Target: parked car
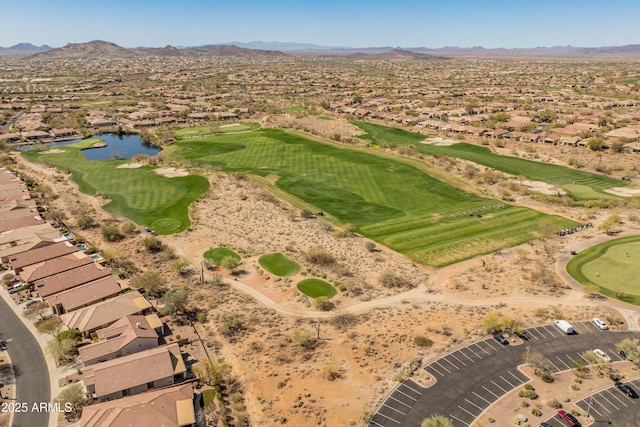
[546, 425]
[600, 323]
[569, 419]
[502, 340]
[30, 303]
[15, 288]
[602, 355]
[626, 390]
[564, 326]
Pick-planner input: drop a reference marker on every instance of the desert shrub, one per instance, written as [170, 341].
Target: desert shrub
[536, 412]
[530, 394]
[111, 233]
[370, 246]
[324, 304]
[330, 372]
[390, 279]
[422, 341]
[152, 244]
[547, 377]
[555, 404]
[318, 255]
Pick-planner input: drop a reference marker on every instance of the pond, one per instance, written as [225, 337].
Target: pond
[126, 146]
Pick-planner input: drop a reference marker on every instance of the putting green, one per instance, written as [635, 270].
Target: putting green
[613, 266]
[279, 264]
[218, 254]
[316, 288]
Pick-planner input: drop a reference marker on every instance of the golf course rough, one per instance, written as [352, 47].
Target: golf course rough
[613, 266]
[216, 255]
[384, 198]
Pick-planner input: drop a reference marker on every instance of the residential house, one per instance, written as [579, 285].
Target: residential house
[37, 271]
[97, 316]
[27, 238]
[85, 295]
[22, 260]
[169, 407]
[69, 279]
[129, 335]
[137, 373]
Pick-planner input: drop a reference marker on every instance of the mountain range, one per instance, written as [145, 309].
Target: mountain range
[98, 48]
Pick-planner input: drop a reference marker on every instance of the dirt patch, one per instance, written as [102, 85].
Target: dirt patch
[543, 187]
[444, 142]
[52, 151]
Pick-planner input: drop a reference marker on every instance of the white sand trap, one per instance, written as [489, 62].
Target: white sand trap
[52, 151]
[171, 172]
[623, 192]
[543, 187]
[130, 166]
[439, 141]
[230, 125]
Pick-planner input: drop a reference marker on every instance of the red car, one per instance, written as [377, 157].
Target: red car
[569, 419]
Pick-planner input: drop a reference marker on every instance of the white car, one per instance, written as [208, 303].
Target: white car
[600, 323]
[602, 355]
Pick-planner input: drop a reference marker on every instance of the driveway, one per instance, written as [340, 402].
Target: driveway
[472, 378]
[32, 374]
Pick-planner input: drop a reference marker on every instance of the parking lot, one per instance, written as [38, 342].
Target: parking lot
[472, 378]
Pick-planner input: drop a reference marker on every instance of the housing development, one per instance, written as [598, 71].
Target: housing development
[224, 236]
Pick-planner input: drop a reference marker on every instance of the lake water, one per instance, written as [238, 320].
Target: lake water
[126, 146]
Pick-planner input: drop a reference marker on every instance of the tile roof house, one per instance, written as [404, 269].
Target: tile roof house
[90, 319]
[169, 407]
[27, 238]
[136, 373]
[34, 256]
[33, 272]
[85, 295]
[69, 279]
[129, 335]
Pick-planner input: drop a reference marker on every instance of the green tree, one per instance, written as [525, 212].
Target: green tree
[229, 263]
[596, 144]
[151, 282]
[436, 421]
[62, 348]
[51, 326]
[73, 398]
[174, 301]
[631, 348]
[111, 233]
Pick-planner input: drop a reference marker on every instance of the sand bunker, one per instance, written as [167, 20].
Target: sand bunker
[230, 125]
[439, 141]
[543, 187]
[130, 166]
[52, 151]
[171, 172]
[623, 192]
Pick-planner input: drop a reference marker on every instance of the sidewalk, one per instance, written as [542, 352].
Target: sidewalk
[42, 340]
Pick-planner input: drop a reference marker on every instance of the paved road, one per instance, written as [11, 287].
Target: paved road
[472, 378]
[32, 375]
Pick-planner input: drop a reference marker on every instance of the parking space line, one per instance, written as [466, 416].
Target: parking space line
[488, 354]
[400, 401]
[371, 421]
[595, 410]
[412, 398]
[610, 402]
[494, 383]
[505, 380]
[554, 365]
[604, 408]
[479, 407]
[475, 354]
[614, 395]
[561, 361]
[494, 395]
[488, 342]
[520, 381]
[458, 419]
[431, 367]
[411, 388]
[465, 355]
[442, 366]
[531, 334]
[578, 328]
[553, 330]
[470, 413]
[580, 356]
[451, 363]
[477, 395]
[392, 419]
[392, 408]
[453, 354]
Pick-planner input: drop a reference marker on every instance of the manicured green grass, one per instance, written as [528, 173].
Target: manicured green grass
[208, 396]
[139, 194]
[279, 264]
[86, 144]
[316, 288]
[194, 131]
[296, 109]
[384, 198]
[218, 254]
[575, 182]
[608, 267]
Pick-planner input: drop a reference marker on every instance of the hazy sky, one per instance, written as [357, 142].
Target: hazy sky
[356, 23]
